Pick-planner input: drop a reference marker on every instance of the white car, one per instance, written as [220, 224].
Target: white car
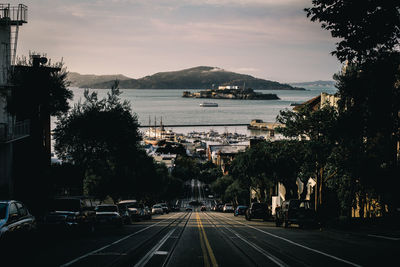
[228, 208]
[157, 209]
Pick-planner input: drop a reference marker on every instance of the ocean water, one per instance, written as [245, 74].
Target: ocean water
[173, 109]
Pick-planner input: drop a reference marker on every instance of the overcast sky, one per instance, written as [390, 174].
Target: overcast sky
[269, 39]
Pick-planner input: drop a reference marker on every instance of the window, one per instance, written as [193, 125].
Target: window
[3, 209]
[22, 210]
[13, 209]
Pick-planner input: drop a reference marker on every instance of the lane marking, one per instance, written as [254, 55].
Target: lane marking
[274, 259]
[206, 242]
[111, 244]
[203, 247]
[385, 237]
[161, 252]
[153, 251]
[297, 244]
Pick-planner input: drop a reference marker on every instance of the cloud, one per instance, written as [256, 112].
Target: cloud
[140, 37]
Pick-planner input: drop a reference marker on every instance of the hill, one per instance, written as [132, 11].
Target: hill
[86, 80]
[193, 78]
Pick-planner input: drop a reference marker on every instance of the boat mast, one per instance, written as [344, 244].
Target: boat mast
[149, 127]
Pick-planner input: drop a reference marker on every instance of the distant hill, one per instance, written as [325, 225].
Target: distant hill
[315, 84]
[193, 78]
[86, 80]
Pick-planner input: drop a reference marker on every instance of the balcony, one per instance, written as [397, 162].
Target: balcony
[10, 133]
[13, 15]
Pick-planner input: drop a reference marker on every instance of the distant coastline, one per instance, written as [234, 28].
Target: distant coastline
[201, 78]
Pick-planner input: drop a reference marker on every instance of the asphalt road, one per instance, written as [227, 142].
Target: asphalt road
[206, 239]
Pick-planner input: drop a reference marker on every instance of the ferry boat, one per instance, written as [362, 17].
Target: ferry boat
[208, 104]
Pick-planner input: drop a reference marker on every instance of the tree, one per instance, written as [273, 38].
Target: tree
[39, 91]
[366, 28]
[185, 168]
[369, 106]
[320, 127]
[101, 136]
[368, 90]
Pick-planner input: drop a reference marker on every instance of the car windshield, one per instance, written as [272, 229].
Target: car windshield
[107, 209]
[259, 205]
[66, 205]
[294, 204]
[3, 210]
[157, 206]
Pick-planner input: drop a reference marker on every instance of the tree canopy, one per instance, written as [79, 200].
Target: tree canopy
[366, 28]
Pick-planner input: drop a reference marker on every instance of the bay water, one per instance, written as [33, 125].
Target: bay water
[152, 105]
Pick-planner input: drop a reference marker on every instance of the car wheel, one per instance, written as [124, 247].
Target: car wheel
[286, 224]
[92, 228]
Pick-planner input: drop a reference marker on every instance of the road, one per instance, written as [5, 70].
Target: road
[205, 238]
[209, 239]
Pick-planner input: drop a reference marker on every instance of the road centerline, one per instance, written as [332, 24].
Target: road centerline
[203, 237]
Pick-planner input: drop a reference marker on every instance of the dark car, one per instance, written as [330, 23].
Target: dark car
[71, 213]
[258, 211]
[296, 211]
[189, 208]
[15, 221]
[240, 210]
[108, 214]
[147, 213]
[203, 208]
[131, 210]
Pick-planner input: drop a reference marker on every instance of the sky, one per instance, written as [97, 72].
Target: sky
[268, 39]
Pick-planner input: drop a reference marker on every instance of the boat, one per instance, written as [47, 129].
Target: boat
[208, 104]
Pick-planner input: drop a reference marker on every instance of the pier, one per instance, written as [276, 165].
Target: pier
[197, 125]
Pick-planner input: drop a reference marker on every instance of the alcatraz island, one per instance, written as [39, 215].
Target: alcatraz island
[230, 92]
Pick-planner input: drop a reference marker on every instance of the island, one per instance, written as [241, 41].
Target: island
[230, 92]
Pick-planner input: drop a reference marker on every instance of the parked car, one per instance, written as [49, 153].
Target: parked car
[228, 208]
[131, 210]
[157, 209]
[147, 213]
[240, 210]
[108, 214]
[258, 211]
[220, 207]
[71, 213]
[296, 211]
[164, 207]
[203, 208]
[15, 221]
[176, 208]
[189, 208]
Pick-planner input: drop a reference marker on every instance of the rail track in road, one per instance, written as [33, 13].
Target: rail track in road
[275, 246]
[240, 242]
[153, 243]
